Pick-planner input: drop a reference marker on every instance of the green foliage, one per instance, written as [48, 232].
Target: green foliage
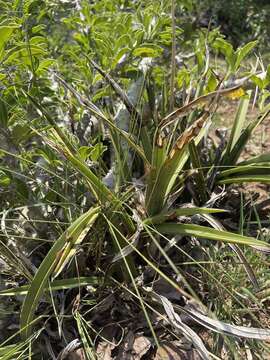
[96, 168]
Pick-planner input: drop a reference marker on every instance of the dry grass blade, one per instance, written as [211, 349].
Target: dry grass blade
[202, 100]
[134, 240]
[72, 346]
[228, 329]
[189, 134]
[176, 321]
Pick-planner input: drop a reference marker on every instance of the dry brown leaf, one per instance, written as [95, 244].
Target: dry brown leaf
[104, 351]
[78, 354]
[171, 352]
[141, 346]
[133, 347]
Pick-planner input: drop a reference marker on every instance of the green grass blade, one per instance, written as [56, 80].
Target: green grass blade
[55, 285]
[88, 344]
[265, 179]
[147, 143]
[263, 158]
[260, 169]
[238, 251]
[47, 266]
[116, 235]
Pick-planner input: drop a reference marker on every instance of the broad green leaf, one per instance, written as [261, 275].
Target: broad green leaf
[146, 51]
[4, 179]
[44, 65]
[205, 232]
[21, 54]
[183, 78]
[5, 33]
[84, 152]
[212, 82]
[242, 52]
[124, 40]
[119, 56]
[92, 152]
[257, 81]
[226, 49]
[41, 278]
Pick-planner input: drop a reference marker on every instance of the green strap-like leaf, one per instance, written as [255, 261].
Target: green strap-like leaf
[41, 278]
[211, 234]
[265, 179]
[239, 121]
[254, 169]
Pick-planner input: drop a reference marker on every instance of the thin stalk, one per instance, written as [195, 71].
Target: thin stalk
[173, 63]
